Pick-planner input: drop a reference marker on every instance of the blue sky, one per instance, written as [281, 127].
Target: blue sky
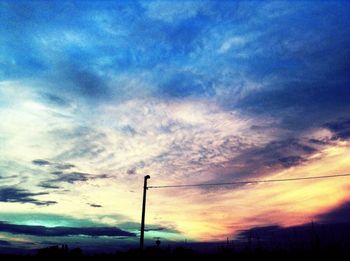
[96, 94]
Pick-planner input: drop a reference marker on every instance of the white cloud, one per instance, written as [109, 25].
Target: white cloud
[170, 140]
[172, 137]
[232, 42]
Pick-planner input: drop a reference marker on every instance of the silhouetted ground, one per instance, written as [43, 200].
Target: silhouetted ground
[313, 241]
[331, 252]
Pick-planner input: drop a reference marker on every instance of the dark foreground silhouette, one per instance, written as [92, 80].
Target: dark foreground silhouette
[310, 241]
[184, 253]
[228, 252]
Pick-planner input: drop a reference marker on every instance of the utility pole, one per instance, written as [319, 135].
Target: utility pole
[143, 212]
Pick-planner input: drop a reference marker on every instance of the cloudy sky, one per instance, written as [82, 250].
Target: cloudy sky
[95, 95]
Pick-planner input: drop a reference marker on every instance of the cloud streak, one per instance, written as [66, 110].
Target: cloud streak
[13, 194]
[63, 231]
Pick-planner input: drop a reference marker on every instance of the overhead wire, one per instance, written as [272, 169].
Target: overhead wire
[241, 182]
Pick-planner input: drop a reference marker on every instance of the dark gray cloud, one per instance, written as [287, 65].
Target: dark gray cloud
[58, 166]
[163, 229]
[259, 162]
[300, 105]
[340, 128]
[340, 214]
[63, 231]
[148, 228]
[285, 153]
[318, 142]
[95, 205]
[13, 194]
[41, 162]
[275, 155]
[156, 228]
[65, 166]
[48, 186]
[5, 243]
[57, 172]
[73, 177]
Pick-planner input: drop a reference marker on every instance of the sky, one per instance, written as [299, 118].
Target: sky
[94, 95]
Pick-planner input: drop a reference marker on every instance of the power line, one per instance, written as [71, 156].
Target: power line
[249, 181]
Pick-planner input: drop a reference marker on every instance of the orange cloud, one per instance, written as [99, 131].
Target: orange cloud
[216, 214]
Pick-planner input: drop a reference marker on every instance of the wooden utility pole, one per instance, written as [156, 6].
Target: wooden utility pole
[143, 212]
